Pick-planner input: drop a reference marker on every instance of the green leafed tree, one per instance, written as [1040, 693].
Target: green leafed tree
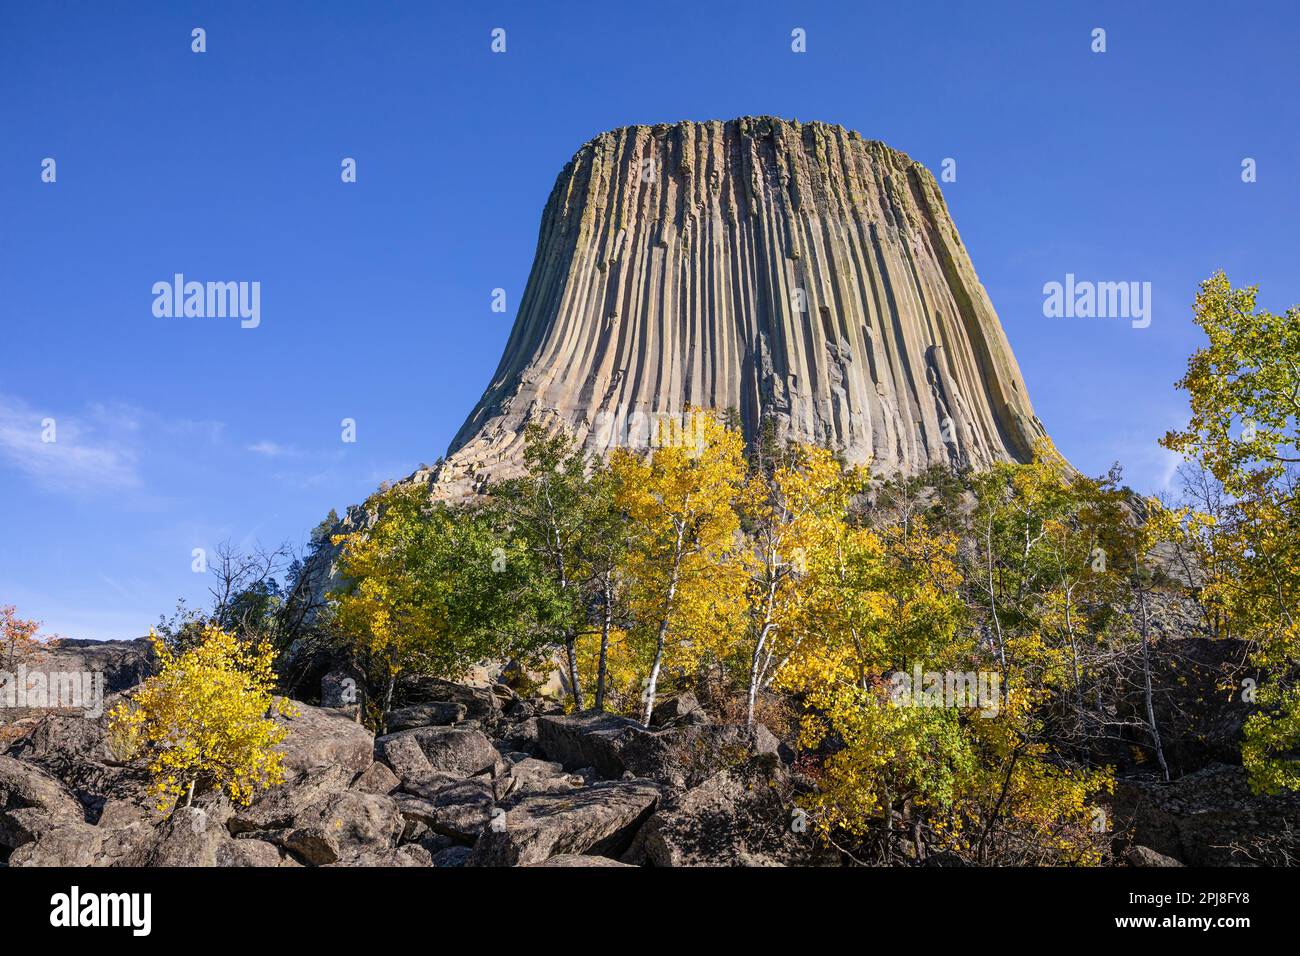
[1244, 390]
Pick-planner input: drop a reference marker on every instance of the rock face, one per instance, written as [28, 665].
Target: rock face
[796, 273]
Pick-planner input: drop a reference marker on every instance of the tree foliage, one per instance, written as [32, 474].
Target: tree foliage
[206, 719]
[432, 590]
[683, 558]
[565, 521]
[17, 637]
[1244, 431]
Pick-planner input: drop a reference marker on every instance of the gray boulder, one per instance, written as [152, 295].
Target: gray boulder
[409, 855]
[735, 818]
[587, 739]
[62, 844]
[320, 737]
[415, 754]
[452, 856]
[682, 756]
[480, 703]
[278, 807]
[530, 775]
[377, 778]
[76, 750]
[240, 853]
[683, 708]
[355, 822]
[312, 845]
[189, 837]
[32, 801]
[1144, 856]
[522, 736]
[459, 811]
[686, 756]
[436, 714]
[601, 819]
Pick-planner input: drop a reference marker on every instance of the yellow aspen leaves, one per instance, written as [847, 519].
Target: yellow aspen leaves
[206, 720]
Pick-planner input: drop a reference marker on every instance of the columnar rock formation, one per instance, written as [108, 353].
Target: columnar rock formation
[794, 273]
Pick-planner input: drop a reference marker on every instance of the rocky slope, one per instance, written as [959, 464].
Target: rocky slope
[471, 776]
[476, 776]
[791, 272]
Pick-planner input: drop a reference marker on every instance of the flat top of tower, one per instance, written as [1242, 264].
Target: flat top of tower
[745, 126]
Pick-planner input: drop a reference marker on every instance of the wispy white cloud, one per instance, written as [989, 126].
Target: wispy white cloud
[271, 449]
[100, 448]
[1169, 468]
[60, 452]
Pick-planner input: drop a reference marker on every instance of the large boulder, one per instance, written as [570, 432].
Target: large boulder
[278, 807]
[735, 818]
[459, 811]
[480, 703]
[25, 785]
[680, 756]
[587, 739]
[601, 819]
[322, 737]
[189, 837]
[410, 855]
[583, 860]
[436, 714]
[530, 775]
[63, 844]
[239, 853]
[687, 755]
[312, 845]
[521, 735]
[77, 751]
[683, 708]
[378, 778]
[250, 853]
[415, 754]
[355, 823]
[1144, 856]
[31, 800]
[318, 819]
[452, 856]
[404, 755]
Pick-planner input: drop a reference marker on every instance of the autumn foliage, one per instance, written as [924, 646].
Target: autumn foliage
[950, 653]
[1244, 526]
[17, 637]
[205, 720]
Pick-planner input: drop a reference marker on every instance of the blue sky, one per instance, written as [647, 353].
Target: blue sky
[178, 433]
